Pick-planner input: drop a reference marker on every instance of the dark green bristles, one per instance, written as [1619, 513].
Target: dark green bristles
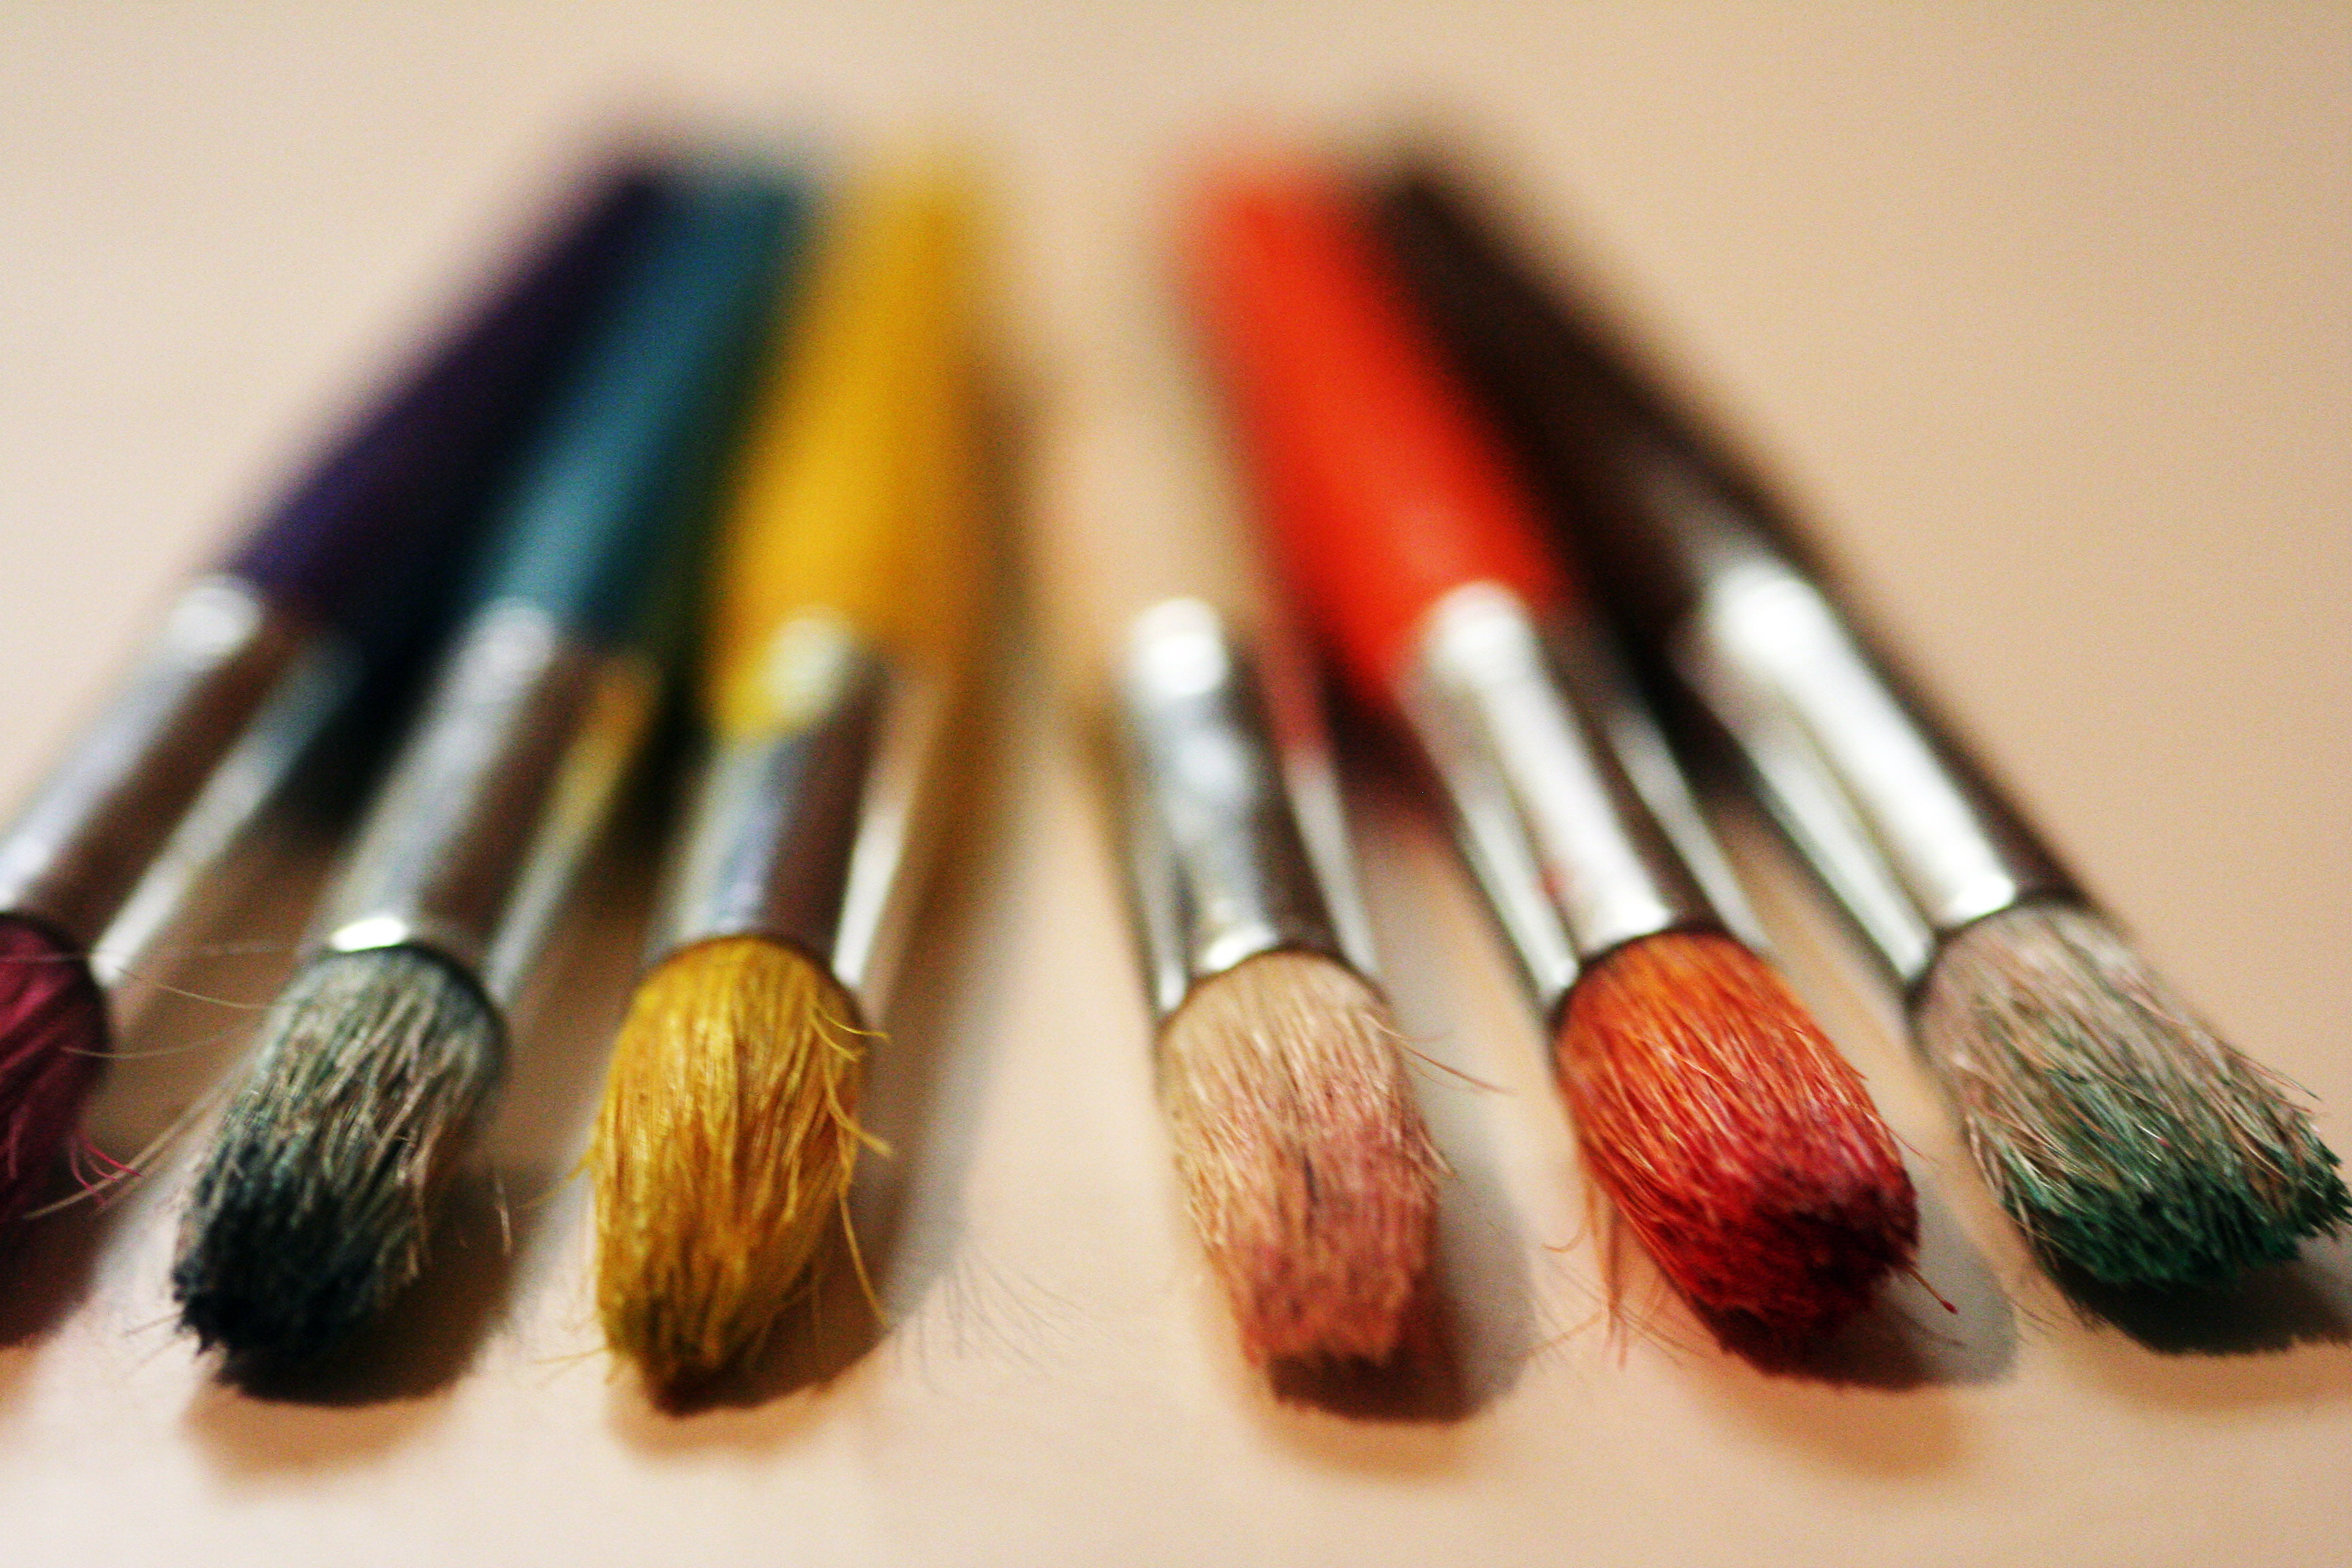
[2123, 1136]
[310, 1211]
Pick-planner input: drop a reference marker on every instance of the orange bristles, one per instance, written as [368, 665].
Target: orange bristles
[1308, 1172]
[723, 1151]
[1741, 1148]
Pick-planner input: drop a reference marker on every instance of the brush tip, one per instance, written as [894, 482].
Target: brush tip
[2124, 1138]
[723, 1151]
[311, 1208]
[53, 1036]
[1305, 1160]
[1738, 1143]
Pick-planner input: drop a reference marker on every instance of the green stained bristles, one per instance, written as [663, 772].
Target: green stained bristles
[311, 1210]
[2121, 1134]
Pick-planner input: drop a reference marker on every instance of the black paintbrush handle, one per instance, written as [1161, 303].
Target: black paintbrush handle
[1655, 516]
[1912, 837]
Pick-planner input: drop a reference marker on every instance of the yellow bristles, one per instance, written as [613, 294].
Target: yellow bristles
[723, 1149]
[727, 1135]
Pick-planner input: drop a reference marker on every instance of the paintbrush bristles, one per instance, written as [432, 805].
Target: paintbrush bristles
[1308, 1169]
[52, 1048]
[1741, 1147]
[2124, 1136]
[311, 1210]
[723, 1149]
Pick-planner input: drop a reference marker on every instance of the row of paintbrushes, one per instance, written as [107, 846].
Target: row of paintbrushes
[714, 423]
[1427, 436]
[1431, 439]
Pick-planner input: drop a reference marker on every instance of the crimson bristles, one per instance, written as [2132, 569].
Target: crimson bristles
[52, 1048]
[1738, 1144]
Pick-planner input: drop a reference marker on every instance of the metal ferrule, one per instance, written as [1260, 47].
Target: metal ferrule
[804, 833]
[120, 834]
[1911, 846]
[1219, 864]
[1524, 732]
[512, 768]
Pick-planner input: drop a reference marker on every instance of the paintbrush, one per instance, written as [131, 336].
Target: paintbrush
[312, 1206]
[328, 589]
[1732, 1138]
[851, 589]
[2124, 1138]
[1307, 1170]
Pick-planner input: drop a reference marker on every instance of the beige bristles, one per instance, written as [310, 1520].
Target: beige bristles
[723, 1149]
[1304, 1157]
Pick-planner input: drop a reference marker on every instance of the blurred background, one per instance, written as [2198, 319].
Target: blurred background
[2043, 315]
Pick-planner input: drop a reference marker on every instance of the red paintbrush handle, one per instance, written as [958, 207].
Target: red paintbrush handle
[1380, 490]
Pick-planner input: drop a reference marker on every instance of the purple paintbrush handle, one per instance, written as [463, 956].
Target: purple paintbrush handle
[359, 538]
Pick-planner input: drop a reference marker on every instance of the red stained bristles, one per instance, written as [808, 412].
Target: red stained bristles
[1736, 1143]
[52, 1049]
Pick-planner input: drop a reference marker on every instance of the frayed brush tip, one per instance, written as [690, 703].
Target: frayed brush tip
[1310, 1174]
[2128, 1141]
[723, 1152]
[1734, 1140]
[311, 1210]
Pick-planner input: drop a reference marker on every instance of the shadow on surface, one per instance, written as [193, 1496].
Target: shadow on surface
[1875, 1399]
[2307, 1301]
[46, 1269]
[2278, 1337]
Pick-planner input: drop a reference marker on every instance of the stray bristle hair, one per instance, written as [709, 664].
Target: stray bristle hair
[1743, 1151]
[723, 1149]
[52, 1049]
[312, 1208]
[2123, 1136]
[1308, 1169]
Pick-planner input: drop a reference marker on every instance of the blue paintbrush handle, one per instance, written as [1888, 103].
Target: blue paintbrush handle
[599, 528]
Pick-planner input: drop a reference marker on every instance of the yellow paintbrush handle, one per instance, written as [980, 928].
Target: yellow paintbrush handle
[856, 494]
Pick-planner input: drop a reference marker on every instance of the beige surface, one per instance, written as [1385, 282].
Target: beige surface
[2051, 319]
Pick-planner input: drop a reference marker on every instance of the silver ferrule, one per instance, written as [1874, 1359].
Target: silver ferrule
[1219, 866]
[1572, 856]
[1905, 838]
[140, 809]
[509, 773]
[807, 832]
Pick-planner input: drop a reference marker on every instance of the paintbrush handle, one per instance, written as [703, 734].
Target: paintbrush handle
[1222, 863]
[1233, 827]
[352, 543]
[1381, 494]
[1911, 838]
[1140, 480]
[853, 583]
[598, 536]
[1403, 531]
[251, 662]
[513, 767]
[829, 515]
